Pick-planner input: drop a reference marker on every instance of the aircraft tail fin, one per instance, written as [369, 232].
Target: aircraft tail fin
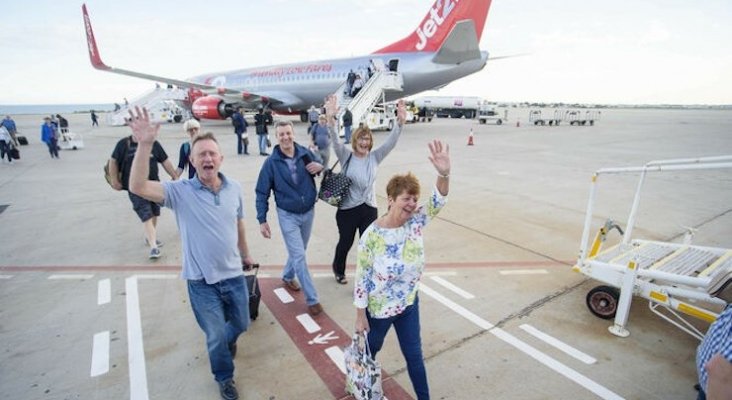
[445, 21]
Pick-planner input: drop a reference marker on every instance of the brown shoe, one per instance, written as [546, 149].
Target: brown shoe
[292, 285]
[315, 309]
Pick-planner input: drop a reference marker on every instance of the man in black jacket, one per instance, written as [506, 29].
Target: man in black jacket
[261, 120]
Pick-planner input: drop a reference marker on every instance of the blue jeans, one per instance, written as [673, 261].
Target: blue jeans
[407, 329]
[222, 312]
[296, 230]
[262, 143]
[241, 148]
[347, 130]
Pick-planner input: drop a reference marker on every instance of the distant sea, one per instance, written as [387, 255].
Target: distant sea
[53, 108]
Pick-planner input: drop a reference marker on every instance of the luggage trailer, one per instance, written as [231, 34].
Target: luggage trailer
[668, 275]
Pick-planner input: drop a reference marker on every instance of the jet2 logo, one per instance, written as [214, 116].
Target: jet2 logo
[89, 35]
[434, 21]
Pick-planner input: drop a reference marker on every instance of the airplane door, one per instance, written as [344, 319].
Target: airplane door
[393, 64]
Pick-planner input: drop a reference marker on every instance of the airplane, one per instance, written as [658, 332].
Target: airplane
[443, 48]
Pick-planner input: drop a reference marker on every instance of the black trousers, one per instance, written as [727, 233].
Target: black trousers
[359, 217]
[5, 149]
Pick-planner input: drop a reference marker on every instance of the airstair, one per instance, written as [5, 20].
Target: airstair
[676, 278]
[372, 93]
[163, 104]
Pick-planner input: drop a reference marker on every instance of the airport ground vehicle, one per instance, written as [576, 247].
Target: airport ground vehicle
[490, 115]
[450, 106]
[69, 140]
[538, 118]
[577, 117]
[382, 117]
[675, 277]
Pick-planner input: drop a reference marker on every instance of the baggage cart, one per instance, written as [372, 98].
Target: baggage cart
[70, 141]
[678, 279]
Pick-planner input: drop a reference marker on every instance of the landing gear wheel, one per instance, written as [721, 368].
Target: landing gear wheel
[603, 301]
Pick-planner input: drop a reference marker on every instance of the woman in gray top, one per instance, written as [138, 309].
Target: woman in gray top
[358, 210]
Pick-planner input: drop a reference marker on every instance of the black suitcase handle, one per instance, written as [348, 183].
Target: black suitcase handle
[249, 267]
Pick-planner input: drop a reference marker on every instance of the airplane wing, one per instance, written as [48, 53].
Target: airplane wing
[96, 61]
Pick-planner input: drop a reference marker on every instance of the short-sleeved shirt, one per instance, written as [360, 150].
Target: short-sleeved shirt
[208, 225]
[124, 153]
[717, 340]
[390, 262]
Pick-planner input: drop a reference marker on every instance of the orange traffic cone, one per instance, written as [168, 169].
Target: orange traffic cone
[470, 138]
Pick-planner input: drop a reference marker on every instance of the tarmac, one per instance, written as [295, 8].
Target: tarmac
[85, 315]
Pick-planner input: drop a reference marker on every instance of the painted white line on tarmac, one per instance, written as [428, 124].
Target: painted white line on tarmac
[460, 292]
[100, 354]
[585, 358]
[548, 361]
[336, 355]
[483, 324]
[156, 276]
[71, 276]
[323, 275]
[104, 292]
[440, 273]
[6, 276]
[308, 323]
[284, 297]
[523, 272]
[135, 348]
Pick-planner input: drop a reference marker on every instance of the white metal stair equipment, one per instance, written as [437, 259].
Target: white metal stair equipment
[371, 94]
[158, 101]
[669, 275]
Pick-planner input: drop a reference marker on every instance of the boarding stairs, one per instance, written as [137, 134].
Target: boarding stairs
[676, 278]
[156, 101]
[372, 93]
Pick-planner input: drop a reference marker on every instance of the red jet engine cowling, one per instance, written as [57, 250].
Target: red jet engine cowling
[210, 107]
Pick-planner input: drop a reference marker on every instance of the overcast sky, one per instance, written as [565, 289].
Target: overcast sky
[591, 51]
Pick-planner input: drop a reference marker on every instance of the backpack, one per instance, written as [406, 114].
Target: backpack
[107, 176]
[235, 121]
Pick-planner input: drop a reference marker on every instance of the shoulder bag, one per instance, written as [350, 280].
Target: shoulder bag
[334, 186]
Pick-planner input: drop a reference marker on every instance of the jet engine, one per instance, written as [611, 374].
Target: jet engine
[212, 107]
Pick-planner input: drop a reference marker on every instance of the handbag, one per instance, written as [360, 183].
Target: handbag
[14, 152]
[334, 186]
[363, 373]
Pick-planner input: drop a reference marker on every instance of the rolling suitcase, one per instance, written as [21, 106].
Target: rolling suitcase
[254, 293]
[22, 140]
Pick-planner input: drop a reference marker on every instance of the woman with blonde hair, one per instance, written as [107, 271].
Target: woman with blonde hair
[193, 128]
[360, 163]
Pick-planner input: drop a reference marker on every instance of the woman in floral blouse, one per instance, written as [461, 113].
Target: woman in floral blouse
[390, 264]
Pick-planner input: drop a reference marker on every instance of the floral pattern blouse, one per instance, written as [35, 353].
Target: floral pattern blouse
[391, 261]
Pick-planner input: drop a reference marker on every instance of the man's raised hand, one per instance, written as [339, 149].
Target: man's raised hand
[142, 129]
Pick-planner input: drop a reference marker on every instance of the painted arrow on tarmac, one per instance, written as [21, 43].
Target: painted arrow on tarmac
[323, 339]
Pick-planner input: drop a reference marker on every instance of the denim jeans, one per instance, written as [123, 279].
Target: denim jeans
[241, 148]
[347, 139]
[296, 230]
[262, 143]
[407, 329]
[222, 312]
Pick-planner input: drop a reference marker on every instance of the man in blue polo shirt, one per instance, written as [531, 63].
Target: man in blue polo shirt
[209, 211]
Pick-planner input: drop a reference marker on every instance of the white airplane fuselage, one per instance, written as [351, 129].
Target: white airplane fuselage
[298, 86]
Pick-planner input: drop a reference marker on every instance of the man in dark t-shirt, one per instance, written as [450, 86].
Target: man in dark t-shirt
[119, 169]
